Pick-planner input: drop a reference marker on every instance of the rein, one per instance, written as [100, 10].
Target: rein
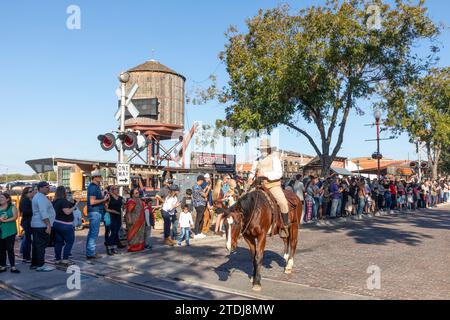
[251, 216]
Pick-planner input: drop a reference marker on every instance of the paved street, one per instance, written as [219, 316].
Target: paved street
[412, 251]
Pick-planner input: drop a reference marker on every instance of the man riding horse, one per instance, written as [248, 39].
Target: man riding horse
[269, 170]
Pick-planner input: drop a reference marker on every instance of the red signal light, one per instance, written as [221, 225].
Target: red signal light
[107, 141]
[129, 141]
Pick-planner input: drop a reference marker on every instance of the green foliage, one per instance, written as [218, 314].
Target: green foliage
[444, 162]
[16, 176]
[423, 111]
[314, 64]
[158, 215]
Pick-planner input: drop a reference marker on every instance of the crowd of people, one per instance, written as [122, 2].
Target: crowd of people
[48, 223]
[51, 223]
[335, 196]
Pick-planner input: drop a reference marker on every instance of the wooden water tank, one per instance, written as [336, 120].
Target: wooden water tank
[155, 80]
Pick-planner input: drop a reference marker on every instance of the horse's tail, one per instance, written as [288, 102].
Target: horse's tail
[299, 211]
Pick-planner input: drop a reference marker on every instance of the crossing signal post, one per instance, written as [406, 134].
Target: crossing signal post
[124, 77]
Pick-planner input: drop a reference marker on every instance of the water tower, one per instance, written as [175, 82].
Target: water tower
[160, 101]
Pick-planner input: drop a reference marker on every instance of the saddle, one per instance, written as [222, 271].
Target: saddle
[277, 221]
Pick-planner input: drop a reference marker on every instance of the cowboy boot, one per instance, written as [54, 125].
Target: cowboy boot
[284, 232]
[168, 242]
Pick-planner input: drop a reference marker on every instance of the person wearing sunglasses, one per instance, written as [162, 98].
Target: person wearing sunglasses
[26, 213]
[114, 207]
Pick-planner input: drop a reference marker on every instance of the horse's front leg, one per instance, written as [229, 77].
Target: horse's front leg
[293, 237]
[258, 260]
[286, 249]
[252, 246]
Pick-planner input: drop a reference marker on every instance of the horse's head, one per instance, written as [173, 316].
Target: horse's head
[233, 225]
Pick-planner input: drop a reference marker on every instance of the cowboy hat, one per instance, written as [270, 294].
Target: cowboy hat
[265, 144]
[96, 173]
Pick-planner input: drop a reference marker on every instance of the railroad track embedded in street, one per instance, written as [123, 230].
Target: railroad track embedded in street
[19, 293]
[166, 292]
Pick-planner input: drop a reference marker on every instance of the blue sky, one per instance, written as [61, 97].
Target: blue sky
[58, 84]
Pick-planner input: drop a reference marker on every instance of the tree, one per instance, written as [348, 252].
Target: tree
[423, 111]
[444, 162]
[315, 66]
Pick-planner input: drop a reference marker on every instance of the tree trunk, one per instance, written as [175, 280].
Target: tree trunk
[434, 154]
[435, 164]
[325, 164]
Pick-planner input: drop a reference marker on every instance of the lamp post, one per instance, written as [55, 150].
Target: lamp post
[377, 115]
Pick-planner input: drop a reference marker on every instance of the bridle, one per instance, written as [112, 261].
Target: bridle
[241, 233]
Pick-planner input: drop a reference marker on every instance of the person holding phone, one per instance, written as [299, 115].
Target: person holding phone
[96, 207]
[63, 226]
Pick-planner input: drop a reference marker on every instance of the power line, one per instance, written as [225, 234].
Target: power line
[213, 73]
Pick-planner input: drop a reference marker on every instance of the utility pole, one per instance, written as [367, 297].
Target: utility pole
[418, 147]
[377, 115]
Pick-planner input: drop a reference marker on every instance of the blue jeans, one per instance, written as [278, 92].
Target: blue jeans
[94, 218]
[112, 231]
[174, 231]
[334, 207]
[387, 201]
[25, 246]
[64, 237]
[184, 235]
[316, 207]
[168, 221]
[361, 205]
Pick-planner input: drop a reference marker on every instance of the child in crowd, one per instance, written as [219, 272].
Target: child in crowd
[185, 223]
[187, 200]
[410, 197]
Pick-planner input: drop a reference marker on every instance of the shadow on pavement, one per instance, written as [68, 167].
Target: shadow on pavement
[383, 230]
[241, 261]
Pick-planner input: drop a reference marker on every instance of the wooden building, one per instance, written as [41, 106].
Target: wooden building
[76, 174]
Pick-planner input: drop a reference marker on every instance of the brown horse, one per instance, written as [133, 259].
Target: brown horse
[252, 217]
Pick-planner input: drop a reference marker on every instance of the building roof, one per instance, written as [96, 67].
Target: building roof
[47, 164]
[155, 66]
[295, 154]
[372, 164]
[341, 171]
[243, 167]
[316, 160]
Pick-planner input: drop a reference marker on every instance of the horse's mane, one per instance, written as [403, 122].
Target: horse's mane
[246, 203]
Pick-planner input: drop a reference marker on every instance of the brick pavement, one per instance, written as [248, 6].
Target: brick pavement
[412, 250]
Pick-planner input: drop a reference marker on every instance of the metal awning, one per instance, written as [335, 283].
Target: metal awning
[342, 171]
[48, 164]
[41, 165]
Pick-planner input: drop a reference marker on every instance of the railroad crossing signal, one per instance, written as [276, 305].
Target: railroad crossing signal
[123, 174]
[107, 141]
[128, 104]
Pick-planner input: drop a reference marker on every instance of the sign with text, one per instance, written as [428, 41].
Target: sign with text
[123, 174]
[219, 162]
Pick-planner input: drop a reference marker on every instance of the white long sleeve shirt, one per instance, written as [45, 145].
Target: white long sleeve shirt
[170, 204]
[277, 170]
[186, 219]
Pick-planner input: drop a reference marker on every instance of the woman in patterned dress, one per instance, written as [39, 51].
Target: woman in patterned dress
[135, 218]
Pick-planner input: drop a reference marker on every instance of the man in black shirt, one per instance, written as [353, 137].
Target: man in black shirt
[26, 213]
